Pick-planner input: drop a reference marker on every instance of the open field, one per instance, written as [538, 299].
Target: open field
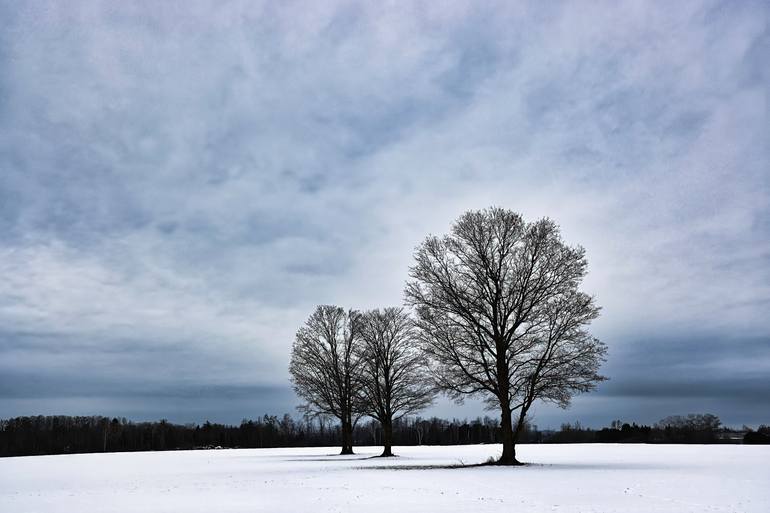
[565, 478]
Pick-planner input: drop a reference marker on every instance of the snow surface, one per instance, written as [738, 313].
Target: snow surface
[564, 478]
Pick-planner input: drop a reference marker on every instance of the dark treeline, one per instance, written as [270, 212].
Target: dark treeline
[22, 436]
[694, 428]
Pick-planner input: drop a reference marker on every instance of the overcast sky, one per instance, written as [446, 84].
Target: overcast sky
[182, 182]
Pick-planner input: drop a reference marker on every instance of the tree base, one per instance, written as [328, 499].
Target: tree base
[510, 462]
[346, 452]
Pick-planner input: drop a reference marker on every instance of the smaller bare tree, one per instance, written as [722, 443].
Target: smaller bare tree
[326, 367]
[394, 382]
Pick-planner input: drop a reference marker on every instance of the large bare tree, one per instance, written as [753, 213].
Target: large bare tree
[501, 316]
[395, 379]
[326, 367]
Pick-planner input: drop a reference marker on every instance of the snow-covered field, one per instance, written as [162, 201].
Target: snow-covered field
[565, 478]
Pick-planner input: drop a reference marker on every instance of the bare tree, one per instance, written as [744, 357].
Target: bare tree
[501, 317]
[395, 382]
[326, 367]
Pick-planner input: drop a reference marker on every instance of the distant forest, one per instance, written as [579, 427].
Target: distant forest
[24, 436]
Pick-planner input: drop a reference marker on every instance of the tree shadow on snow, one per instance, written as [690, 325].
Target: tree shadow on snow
[459, 465]
[330, 457]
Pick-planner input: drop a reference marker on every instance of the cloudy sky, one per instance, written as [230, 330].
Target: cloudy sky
[182, 182]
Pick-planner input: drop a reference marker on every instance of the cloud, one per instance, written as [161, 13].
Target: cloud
[182, 183]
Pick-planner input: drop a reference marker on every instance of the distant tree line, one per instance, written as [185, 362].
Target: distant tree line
[22, 436]
[25, 436]
[677, 429]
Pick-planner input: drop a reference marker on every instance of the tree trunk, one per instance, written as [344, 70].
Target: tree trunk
[387, 438]
[506, 426]
[509, 443]
[347, 437]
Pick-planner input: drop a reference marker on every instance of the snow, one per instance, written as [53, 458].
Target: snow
[563, 478]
